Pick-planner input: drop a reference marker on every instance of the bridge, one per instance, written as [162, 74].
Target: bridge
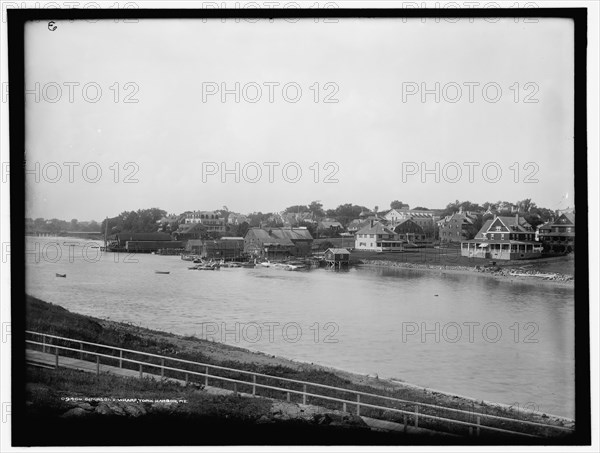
[62, 233]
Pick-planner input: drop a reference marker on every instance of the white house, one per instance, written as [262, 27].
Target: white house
[377, 237]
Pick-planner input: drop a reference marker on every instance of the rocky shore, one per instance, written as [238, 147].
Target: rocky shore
[511, 273]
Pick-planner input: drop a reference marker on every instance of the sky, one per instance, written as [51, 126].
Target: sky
[123, 116]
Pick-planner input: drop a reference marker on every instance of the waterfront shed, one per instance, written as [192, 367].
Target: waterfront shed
[336, 257]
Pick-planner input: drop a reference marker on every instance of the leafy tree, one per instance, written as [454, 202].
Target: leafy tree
[256, 218]
[526, 205]
[297, 208]
[316, 208]
[345, 213]
[240, 230]
[396, 204]
[311, 227]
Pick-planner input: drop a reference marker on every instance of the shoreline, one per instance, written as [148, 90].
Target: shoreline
[563, 281]
[60, 321]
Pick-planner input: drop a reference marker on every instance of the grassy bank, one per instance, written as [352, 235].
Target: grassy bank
[68, 407]
[53, 319]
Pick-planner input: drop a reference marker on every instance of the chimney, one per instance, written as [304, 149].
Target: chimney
[372, 222]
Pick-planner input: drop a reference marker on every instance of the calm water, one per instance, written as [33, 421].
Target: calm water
[499, 341]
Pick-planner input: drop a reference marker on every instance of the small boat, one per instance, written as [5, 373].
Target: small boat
[208, 267]
[248, 265]
[62, 275]
[162, 272]
[188, 257]
[294, 267]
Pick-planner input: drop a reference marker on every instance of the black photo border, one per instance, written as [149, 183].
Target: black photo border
[130, 434]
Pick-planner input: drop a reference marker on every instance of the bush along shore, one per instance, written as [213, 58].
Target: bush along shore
[69, 394]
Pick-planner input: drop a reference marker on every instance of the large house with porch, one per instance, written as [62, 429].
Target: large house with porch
[377, 237]
[559, 236]
[212, 220]
[503, 238]
[410, 231]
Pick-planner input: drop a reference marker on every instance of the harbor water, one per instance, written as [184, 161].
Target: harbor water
[471, 335]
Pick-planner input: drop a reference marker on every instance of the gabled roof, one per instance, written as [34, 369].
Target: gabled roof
[358, 224]
[282, 236]
[461, 216]
[403, 221]
[392, 211]
[269, 239]
[377, 228]
[298, 234]
[330, 224]
[566, 218]
[508, 224]
[338, 251]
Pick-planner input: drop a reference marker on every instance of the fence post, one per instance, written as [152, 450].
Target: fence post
[287, 396]
[44, 343]
[141, 372]
[162, 369]
[358, 404]
[186, 379]
[254, 385]
[120, 359]
[404, 420]
[81, 353]
[206, 377]
[235, 389]
[416, 416]
[344, 408]
[478, 423]
[97, 365]
[304, 394]
[56, 353]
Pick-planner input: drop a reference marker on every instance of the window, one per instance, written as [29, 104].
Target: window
[498, 228]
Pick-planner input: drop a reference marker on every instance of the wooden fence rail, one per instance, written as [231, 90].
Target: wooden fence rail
[354, 396]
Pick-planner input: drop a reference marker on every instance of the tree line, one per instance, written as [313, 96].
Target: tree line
[156, 219]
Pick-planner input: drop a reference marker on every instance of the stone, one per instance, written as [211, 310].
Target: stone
[75, 412]
[116, 408]
[103, 409]
[264, 419]
[134, 410]
[85, 406]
